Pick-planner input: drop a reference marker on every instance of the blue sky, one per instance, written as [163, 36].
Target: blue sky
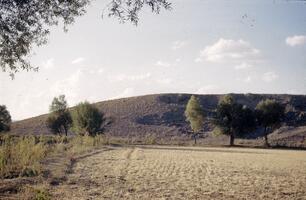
[201, 46]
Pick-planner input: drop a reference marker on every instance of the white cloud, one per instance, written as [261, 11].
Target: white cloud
[68, 86]
[198, 60]
[208, 89]
[179, 44]
[246, 79]
[296, 40]
[124, 77]
[269, 76]
[162, 64]
[74, 85]
[165, 81]
[101, 70]
[243, 65]
[224, 51]
[78, 60]
[48, 64]
[127, 92]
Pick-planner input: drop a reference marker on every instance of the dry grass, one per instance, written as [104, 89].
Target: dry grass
[24, 156]
[21, 156]
[157, 172]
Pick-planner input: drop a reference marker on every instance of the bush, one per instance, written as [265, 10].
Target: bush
[87, 119]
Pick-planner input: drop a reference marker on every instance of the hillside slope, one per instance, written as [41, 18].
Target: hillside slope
[162, 115]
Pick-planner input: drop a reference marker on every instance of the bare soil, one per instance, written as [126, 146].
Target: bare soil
[163, 172]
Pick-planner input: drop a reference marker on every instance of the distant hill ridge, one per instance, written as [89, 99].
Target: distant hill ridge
[163, 114]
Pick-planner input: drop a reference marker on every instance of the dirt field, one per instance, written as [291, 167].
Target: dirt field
[157, 172]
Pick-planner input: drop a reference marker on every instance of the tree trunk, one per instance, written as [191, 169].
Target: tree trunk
[266, 138]
[195, 138]
[232, 138]
[66, 130]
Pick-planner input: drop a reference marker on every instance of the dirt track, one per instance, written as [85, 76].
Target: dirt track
[156, 172]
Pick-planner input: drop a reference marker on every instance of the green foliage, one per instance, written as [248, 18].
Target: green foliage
[5, 119]
[59, 120]
[87, 119]
[35, 193]
[25, 23]
[233, 119]
[41, 194]
[59, 104]
[269, 114]
[194, 114]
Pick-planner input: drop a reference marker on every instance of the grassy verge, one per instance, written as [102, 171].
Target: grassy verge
[23, 156]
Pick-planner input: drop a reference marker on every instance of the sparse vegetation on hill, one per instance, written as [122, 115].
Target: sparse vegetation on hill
[162, 117]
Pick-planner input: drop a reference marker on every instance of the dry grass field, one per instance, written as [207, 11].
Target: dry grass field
[162, 172]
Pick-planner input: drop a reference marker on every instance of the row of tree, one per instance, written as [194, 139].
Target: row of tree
[230, 118]
[234, 119]
[83, 119]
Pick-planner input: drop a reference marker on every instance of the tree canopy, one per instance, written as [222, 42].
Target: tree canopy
[269, 114]
[233, 119]
[59, 104]
[194, 115]
[26, 23]
[5, 119]
[59, 120]
[87, 119]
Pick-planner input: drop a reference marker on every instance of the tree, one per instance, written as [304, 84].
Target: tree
[25, 23]
[269, 114]
[5, 119]
[87, 119]
[59, 120]
[233, 119]
[195, 116]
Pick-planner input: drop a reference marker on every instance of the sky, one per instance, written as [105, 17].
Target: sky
[200, 46]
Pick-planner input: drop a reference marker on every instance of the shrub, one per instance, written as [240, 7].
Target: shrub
[87, 119]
